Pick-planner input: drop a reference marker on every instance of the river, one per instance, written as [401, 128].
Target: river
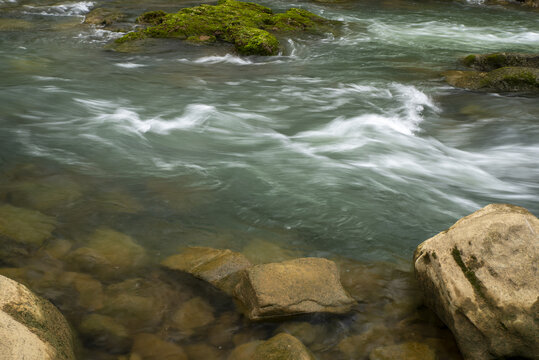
[341, 146]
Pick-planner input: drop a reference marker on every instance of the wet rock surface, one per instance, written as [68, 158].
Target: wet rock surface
[218, 267]
[298, 286]
[480, 276]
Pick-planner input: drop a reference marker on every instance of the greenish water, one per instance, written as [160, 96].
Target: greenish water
[340, 146]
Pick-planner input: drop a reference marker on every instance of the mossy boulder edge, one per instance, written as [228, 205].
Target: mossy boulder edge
[249, 26]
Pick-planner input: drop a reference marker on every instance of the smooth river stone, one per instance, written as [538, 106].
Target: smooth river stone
[299, 286]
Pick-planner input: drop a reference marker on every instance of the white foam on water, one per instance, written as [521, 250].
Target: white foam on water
[439, 34]
[95, 35]
[129, 65]
[67, 9]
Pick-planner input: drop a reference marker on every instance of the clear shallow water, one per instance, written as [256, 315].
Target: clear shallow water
[350, 145]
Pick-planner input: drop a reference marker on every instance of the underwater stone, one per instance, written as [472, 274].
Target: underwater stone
[105, 332]
[25, 226]
[299, 286]
[405, 351]
[192, 315]
[108, 254]
[480, 277]
[151, 347]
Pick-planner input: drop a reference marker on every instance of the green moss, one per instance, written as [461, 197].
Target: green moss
[469, 60]
[255, 41]
[246, 25]
[513, 79]
[495, 61]
[47, 329]
[152, 17]
[469, 273]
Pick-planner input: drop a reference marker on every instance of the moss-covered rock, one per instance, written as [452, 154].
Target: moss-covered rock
[489, 62]
[250, 27]
[505, 79]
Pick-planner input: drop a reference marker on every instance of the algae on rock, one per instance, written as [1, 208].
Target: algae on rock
[249, 26]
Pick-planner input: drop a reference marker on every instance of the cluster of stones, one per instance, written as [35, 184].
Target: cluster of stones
[498, 72]
[479, 276]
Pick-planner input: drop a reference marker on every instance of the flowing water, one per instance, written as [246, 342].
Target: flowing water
[348, 146]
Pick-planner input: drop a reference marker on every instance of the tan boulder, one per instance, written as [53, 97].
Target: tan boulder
[481, 278]
[218, 267]
[299, 286]
[30, 326]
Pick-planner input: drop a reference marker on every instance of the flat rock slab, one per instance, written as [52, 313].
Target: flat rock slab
[216, 266]
[299, 286]
[481, 277]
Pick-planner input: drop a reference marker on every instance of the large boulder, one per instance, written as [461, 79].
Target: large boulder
[31, 327]
[218, 267]
[481, 278]
[299, 286]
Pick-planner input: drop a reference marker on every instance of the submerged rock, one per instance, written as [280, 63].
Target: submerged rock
[506, 79]
[299, 286]
[218, 267]
[137, 303]
[151, 347]
[25, 226]
[31, 327]
[260, 251]
[282, 347]
[105, 332]
[249, 26]
[192, 315]
[405, 351]
[108, 254]
[480, 277]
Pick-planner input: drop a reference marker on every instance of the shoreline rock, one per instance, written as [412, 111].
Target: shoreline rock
[480, 277]
[31, 327]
